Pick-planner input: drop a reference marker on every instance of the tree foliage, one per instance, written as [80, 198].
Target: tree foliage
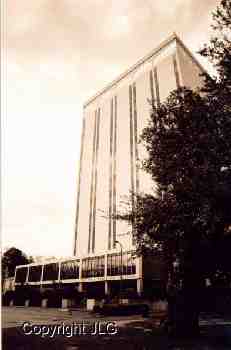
[186, 158]
[12, 258]
[218, 52]
[218, 92]
[188, 142]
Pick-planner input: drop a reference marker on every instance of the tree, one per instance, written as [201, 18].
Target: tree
[188, 142]
[186, 158]
[218, 88]
[187, 216]
[218, 91]
[218, 52]
[12, 258]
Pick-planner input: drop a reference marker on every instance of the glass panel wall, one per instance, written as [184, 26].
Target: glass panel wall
[35, 273]
[115, 265]
[93, 267]
[70, 270]
[21, 274]
[85, 268]
[51, 272]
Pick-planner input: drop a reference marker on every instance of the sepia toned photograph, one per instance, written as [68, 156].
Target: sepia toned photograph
[116, 174]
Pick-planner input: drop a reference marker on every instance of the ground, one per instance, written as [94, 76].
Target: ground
[133, 332]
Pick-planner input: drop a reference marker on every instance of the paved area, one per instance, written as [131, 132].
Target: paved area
[134, 332]
[16, 316]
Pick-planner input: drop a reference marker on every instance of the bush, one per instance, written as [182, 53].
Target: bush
[97, 309]
[7, 297]
[215, 299]
[83, 302]
[21, 295]
[129, 293]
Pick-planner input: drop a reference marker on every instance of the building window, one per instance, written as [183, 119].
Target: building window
[35, 273]
[114, 264]
[51, 272]
[93, 267]
[69, 270]
[21, 274]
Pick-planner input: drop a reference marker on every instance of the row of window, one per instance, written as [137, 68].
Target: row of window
[91, 267]
[118, 264]
[69, 270]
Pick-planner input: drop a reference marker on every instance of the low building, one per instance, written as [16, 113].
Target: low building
[102, 275]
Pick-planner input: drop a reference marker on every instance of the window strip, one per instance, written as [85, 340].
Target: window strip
[136, 139]
[177, 77]
[114, 170]
[79, 184]
[152, 87]
[92, 186]
[157, 87]
[96, 177]
[110, 178]
[131, 150]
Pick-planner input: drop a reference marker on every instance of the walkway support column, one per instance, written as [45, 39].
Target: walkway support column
[80, 287]
[139, 286]
[107, 288]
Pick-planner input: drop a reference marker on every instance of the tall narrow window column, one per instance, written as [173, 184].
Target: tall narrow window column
[134, 166]
[79, 184]
[112, 174]
[92, 213]
[95, 177]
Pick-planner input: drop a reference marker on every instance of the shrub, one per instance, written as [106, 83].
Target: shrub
[7, 297]
[21, 295]
[83, 302]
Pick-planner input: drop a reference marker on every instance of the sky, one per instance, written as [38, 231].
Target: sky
[56, 54]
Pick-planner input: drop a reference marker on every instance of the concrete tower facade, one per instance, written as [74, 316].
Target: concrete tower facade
[110, 153]
[109, 171]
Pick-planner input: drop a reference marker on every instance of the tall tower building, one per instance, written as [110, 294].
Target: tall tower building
[113, 120]
[109, 171]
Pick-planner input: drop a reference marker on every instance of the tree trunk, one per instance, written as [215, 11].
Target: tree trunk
[184, 304]
[183, 314]
[189, 322]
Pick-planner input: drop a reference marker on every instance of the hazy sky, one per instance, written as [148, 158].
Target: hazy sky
[58, 53]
